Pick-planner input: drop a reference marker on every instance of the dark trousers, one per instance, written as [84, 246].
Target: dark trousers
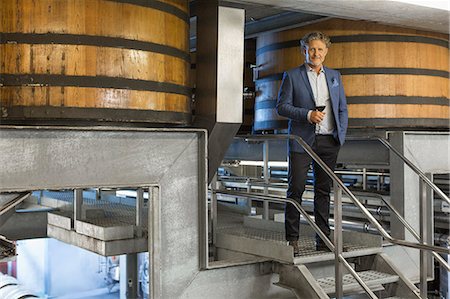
[327, 148]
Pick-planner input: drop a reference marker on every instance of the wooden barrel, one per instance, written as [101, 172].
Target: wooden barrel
[249, 87]
[393, 77]
[109, 60]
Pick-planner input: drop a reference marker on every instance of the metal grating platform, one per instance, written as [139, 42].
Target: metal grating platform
[272, 244]
[373, 279]
[254, 233]
[307, 245]
[106, 214]
[107, 227]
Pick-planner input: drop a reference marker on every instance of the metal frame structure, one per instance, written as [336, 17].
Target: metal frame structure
[425, 195]
[170, 162]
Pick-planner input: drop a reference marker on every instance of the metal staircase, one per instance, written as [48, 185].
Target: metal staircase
[355, 263]
[311, 274]
[314, 281]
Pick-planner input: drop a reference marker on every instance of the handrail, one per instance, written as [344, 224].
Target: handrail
[339, 186]
[410, 164]
[441, 261]
[336, 179]
[14, 202]
[276, 198]
[311, 222]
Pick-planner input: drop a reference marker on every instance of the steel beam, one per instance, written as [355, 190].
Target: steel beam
[339, 269]
[139, 211]
[354, 152]
[266, 178]
[132, 276]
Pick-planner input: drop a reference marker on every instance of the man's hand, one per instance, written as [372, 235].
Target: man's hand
[317, 116]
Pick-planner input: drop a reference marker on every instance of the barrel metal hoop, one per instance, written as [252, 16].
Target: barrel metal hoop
[412, 100]
[398, 122]
[92, 81]
[372, 71]
[90, 40]
[166, 7]
[79, 116]
[393, 71]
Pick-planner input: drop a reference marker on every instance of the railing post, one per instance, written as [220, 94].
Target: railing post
[132, 275]
[214, 210]
[425, 233]
[338, 270]
[249, 200]
[154, 241]
[139, 211]
[364, 178]
[78, 205]
[266, 178]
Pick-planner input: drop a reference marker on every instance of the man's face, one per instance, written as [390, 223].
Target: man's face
[315, 52]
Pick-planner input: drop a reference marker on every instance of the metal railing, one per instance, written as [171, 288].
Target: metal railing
[249, 182]
[413, 167]
[338, 188]
[311, 222]
[424, 197]
[441, 261]
[13, 202]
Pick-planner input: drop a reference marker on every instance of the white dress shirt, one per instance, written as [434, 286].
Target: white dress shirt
[321, 95]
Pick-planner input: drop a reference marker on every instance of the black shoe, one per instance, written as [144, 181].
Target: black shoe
[320, 246]
[295, 245]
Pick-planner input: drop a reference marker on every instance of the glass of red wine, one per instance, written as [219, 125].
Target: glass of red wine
[319, 108]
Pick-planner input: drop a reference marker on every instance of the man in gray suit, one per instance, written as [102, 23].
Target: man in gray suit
[312, 97]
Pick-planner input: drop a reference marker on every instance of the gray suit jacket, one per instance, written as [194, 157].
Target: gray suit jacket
[295, 99]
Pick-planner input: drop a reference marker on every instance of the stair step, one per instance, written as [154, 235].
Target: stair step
[373, 279]
[272, 244]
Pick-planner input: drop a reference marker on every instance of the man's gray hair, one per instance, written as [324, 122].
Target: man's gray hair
[312, 36]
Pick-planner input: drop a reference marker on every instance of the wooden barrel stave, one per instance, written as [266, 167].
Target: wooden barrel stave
[341, 27]
[103, 98]
[91, 61]
[96, 54]
[96, 18]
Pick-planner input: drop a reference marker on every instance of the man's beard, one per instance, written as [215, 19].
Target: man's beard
[318, 63]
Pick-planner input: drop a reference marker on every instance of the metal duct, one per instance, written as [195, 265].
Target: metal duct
[10, 288]
[219, 70]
